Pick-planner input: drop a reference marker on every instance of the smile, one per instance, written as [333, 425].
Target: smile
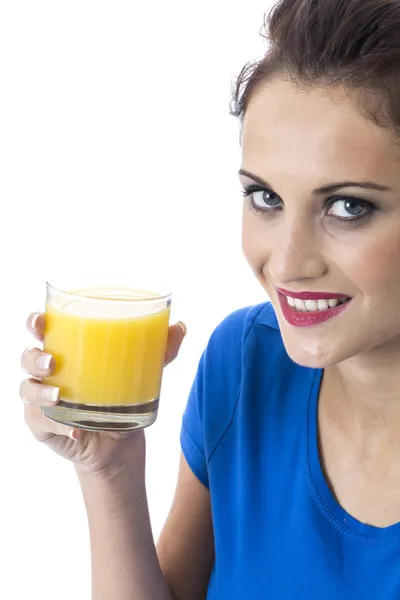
[314, 305]
[305, 309]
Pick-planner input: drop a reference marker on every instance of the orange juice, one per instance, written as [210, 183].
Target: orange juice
[107, 353]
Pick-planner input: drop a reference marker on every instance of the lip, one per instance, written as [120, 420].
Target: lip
[309, 319]
[312, 295]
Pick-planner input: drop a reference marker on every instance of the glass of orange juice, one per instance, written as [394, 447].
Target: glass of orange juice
[109, 343]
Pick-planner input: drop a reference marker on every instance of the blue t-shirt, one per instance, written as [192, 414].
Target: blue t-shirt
[249, 434]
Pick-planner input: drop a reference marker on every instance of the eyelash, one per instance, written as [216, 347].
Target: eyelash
[248, 192]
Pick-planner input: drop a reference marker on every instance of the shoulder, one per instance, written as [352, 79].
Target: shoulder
[247, 344]
[221, 363]
[230, 349]
[232, 333]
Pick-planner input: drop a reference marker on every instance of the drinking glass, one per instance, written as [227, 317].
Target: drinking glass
[109, 342]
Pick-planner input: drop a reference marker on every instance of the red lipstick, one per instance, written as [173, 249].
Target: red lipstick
[308, 319]
[312, 295]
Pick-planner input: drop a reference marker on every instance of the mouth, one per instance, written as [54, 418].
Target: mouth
[304, 309]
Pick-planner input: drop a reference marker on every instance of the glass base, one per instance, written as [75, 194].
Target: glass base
[103, 418]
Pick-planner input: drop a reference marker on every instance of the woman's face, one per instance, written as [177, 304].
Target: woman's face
[344, 242]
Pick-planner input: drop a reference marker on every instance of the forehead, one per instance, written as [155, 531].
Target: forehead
[314, 133]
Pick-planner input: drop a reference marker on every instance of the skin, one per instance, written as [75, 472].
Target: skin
[111, 471]
[298, 141]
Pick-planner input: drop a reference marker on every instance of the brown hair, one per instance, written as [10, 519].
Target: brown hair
[353, 44]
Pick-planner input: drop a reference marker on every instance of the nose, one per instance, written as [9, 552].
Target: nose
[297, 254]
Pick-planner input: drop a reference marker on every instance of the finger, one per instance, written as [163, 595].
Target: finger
[36, 324]
[44, 428]
[176, 335]
[33, 392]
[37, 363]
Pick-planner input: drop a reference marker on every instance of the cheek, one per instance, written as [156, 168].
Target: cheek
[374, 267]
[254, 240]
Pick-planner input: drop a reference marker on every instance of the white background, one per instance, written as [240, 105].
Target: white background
[117, 151]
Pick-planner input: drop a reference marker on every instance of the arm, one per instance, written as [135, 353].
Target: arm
[186, 544]
[124, 558]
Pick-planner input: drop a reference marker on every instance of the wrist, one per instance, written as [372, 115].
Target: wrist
[113, 494]
[124, 460]
[117, 475]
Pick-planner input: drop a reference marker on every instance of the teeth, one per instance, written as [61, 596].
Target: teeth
[314, 305]
[299, 304]
[311, 305]
[323, 304]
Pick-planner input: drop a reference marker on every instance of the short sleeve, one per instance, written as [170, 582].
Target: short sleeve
[191, 438]
[214, 392]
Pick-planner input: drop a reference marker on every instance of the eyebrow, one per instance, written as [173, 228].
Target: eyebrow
[327, 189]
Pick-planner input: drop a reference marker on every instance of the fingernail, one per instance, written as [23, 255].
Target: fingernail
[182, 326]
[73, 434]
[43, 361]
[50, 394]
[35, 320]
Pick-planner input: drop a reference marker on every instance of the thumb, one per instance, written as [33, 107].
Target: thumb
[176, 334]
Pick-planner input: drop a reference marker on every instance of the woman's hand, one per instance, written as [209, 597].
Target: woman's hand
[91, 451]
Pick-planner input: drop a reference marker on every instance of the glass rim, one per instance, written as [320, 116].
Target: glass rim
[155, 298]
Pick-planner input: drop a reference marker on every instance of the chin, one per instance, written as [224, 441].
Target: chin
[339, 340]
[311, 355]
[311, 350]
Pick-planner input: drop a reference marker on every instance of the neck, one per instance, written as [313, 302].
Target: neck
[367, 386]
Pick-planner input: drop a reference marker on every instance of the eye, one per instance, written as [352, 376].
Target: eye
[348, 209]
[262, 198]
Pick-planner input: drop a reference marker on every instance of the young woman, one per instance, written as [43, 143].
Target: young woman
[289, 483]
